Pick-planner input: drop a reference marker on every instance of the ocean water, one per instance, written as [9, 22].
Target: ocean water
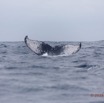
[28, 78]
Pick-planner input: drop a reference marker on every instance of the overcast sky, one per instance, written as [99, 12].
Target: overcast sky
[52, 20]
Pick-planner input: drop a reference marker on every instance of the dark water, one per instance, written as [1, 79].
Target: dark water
[28, 78]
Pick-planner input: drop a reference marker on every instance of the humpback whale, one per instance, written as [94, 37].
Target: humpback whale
[40, 48]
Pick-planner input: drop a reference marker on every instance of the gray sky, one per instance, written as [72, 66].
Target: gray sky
[55, 20]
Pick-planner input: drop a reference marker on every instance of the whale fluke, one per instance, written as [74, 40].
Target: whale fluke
[40, 48]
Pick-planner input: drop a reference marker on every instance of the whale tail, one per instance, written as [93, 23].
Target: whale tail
[41, 48]
[71, 49]
[37, 47]
[80, 45]
[25, 38]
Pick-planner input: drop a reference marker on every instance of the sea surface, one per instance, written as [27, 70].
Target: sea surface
[28, 78]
